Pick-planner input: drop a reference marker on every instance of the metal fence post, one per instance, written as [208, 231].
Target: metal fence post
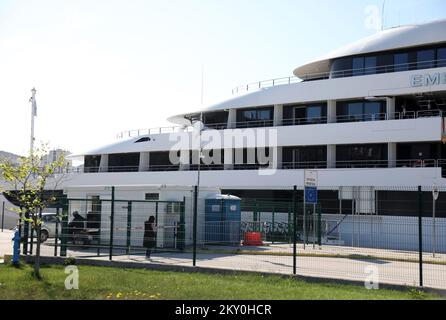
[319, 226]
[112, 224]
[194, 249]
[64, 236]
[156, 211]
[25, 234]
[420, 234]
[181, 227]
[272, 229]
[314, 225]
[294, 231]
[31, 242]
[129, 226]
[289, 237]
[56, 235]
[98, 253]
[3, 215]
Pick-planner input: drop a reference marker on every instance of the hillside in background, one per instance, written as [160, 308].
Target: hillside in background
[9, 155]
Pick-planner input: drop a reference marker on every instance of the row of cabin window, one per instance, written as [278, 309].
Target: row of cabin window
[424, 58]
[405, 151]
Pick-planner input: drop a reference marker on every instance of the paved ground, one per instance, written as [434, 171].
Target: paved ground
[5, 242]
[353, 265]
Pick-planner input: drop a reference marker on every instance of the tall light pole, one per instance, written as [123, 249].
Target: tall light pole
[199, 124]
[33, 115]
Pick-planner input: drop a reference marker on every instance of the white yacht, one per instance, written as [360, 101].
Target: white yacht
[369, 118]
[368, 114]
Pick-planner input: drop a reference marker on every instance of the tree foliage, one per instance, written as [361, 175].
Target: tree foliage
[31, 183]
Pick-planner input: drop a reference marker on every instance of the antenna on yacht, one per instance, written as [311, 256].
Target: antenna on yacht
[382, 15]
[202, 83]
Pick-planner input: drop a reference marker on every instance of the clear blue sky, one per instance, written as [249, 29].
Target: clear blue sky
[104, 66]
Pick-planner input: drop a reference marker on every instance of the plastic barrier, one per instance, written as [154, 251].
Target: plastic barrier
[253, 239]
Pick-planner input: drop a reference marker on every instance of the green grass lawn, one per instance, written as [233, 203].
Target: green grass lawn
[113, 283]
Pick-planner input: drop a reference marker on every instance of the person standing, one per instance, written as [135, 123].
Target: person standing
[149, 236]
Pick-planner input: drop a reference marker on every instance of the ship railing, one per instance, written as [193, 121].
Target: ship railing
[304, 165]
[239, 124]
[362, 117]
[429, 113]
[351, 164]
[286, 122]
[365, 117]
[252, 124]
[263, 84]
[411, 163]
[303, 121]
[153, 131]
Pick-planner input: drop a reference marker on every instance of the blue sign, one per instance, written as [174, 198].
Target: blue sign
[311, 195]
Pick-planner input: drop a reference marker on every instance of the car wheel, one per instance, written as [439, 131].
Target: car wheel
[43, 235]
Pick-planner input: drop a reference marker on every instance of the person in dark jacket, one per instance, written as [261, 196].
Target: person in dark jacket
[76, 225]
[149, 236]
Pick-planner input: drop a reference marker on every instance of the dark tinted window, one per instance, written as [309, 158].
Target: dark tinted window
[257, 117]
[152, 196]
[264, 115]
[360, 111]
[249, 115]
[161, 160]
[385, 63]
[341, 68]
[391, 61]
[361, 152]
[314, 112]
[216, 119]
[401, 61]
[307, 154]
[372, 108]
[425, 59]
[123, 162]
[441, 57]
[91, 163]
[300, 157]
[358, 66]
[305, 114]
[145, 139]
[355, 110]
[370, 65]
[254, 115]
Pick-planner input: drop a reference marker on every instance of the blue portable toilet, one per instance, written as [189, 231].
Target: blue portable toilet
[223, 220]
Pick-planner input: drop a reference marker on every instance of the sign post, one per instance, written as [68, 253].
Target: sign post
[435, 195]
[310, 191]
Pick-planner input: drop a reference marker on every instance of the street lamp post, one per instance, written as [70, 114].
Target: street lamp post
[198, 124]
[33, 115]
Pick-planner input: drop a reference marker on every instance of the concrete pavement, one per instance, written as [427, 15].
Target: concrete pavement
[353, 264]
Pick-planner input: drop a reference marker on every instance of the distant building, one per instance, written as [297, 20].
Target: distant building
[53, 155]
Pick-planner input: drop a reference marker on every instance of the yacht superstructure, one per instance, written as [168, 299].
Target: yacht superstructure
[369, 114]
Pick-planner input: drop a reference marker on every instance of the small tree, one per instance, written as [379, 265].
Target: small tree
[32, 183]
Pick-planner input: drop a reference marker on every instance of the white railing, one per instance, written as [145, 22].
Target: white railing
[285, 122]
[153, 131]
[265, 84]
[419, 65]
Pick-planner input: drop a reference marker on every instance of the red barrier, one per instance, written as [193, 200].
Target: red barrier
[253, 239]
